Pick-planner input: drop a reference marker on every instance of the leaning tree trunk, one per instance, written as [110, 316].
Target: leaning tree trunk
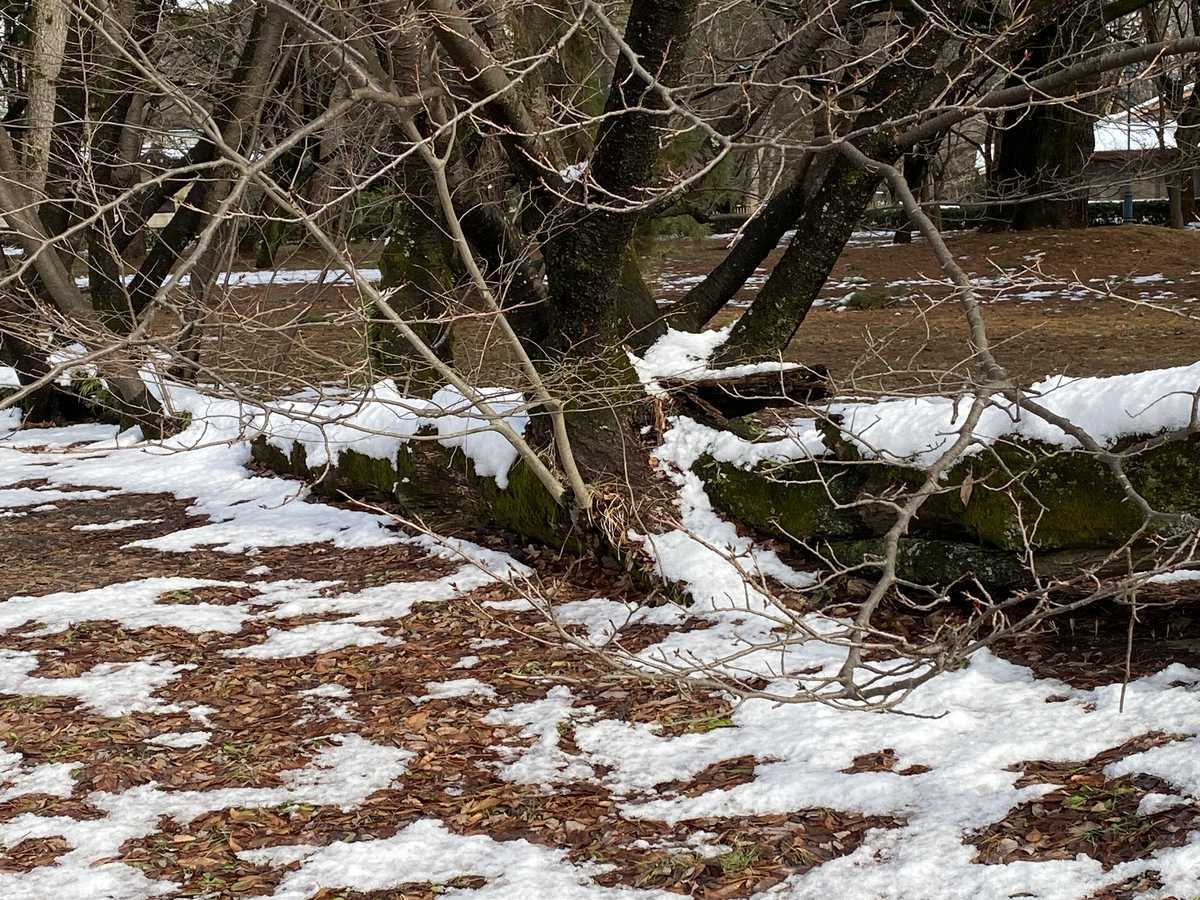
[767, 327]
[761, 235]
[830, 199]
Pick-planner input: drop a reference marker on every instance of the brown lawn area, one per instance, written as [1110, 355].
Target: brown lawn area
[1047, 293]
[1091, 334]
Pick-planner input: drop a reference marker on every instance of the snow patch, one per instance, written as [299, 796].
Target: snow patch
[181, 740]
[110, 689]
[315, 637]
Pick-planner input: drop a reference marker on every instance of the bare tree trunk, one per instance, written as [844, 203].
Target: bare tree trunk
[1187, 138]
[586, 257]
[259, 55]
[916, 169]
[47, 46]
[1175, 199]
[204, 274]
[1043, 149]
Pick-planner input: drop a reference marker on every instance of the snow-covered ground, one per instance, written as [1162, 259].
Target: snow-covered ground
[963, 737]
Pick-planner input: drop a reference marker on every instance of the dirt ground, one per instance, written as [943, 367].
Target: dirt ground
[1096, 302]
[1057, 302]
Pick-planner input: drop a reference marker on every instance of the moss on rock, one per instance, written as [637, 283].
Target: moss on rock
[931, 561]
[989, 510]
[437, 484]
[790, 500]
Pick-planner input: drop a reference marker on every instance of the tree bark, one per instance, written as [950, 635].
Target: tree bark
[766, 328]
[48, 41]
[916, 170]
[1044, 148]
[1042, 154]
[587, 254]
[417, 268]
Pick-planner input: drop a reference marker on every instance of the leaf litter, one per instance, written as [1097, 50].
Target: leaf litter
[342, 770]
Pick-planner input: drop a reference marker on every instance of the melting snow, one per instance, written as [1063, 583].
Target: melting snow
[316, 637]
[117, 525]
[111, 689]
[181, 740]
[342, 774]
[458, 687]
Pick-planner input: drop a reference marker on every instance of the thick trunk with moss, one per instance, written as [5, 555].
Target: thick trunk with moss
[417, 266]
[587, 257]
[435, 485]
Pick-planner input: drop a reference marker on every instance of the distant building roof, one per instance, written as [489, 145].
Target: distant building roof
[1138, 128]
[1124, 131]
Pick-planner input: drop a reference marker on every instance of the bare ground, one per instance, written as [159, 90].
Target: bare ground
[1041, 318]
[1096, 302]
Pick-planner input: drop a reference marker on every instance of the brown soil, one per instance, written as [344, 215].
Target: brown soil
[1056, 302]
[1088, 813]
[920, 336]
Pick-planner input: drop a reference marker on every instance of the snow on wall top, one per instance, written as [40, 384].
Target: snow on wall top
[379, 421]
[917, 429]
[1107, 408]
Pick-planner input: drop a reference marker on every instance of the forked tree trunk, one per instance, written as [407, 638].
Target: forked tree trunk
[598, 303]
